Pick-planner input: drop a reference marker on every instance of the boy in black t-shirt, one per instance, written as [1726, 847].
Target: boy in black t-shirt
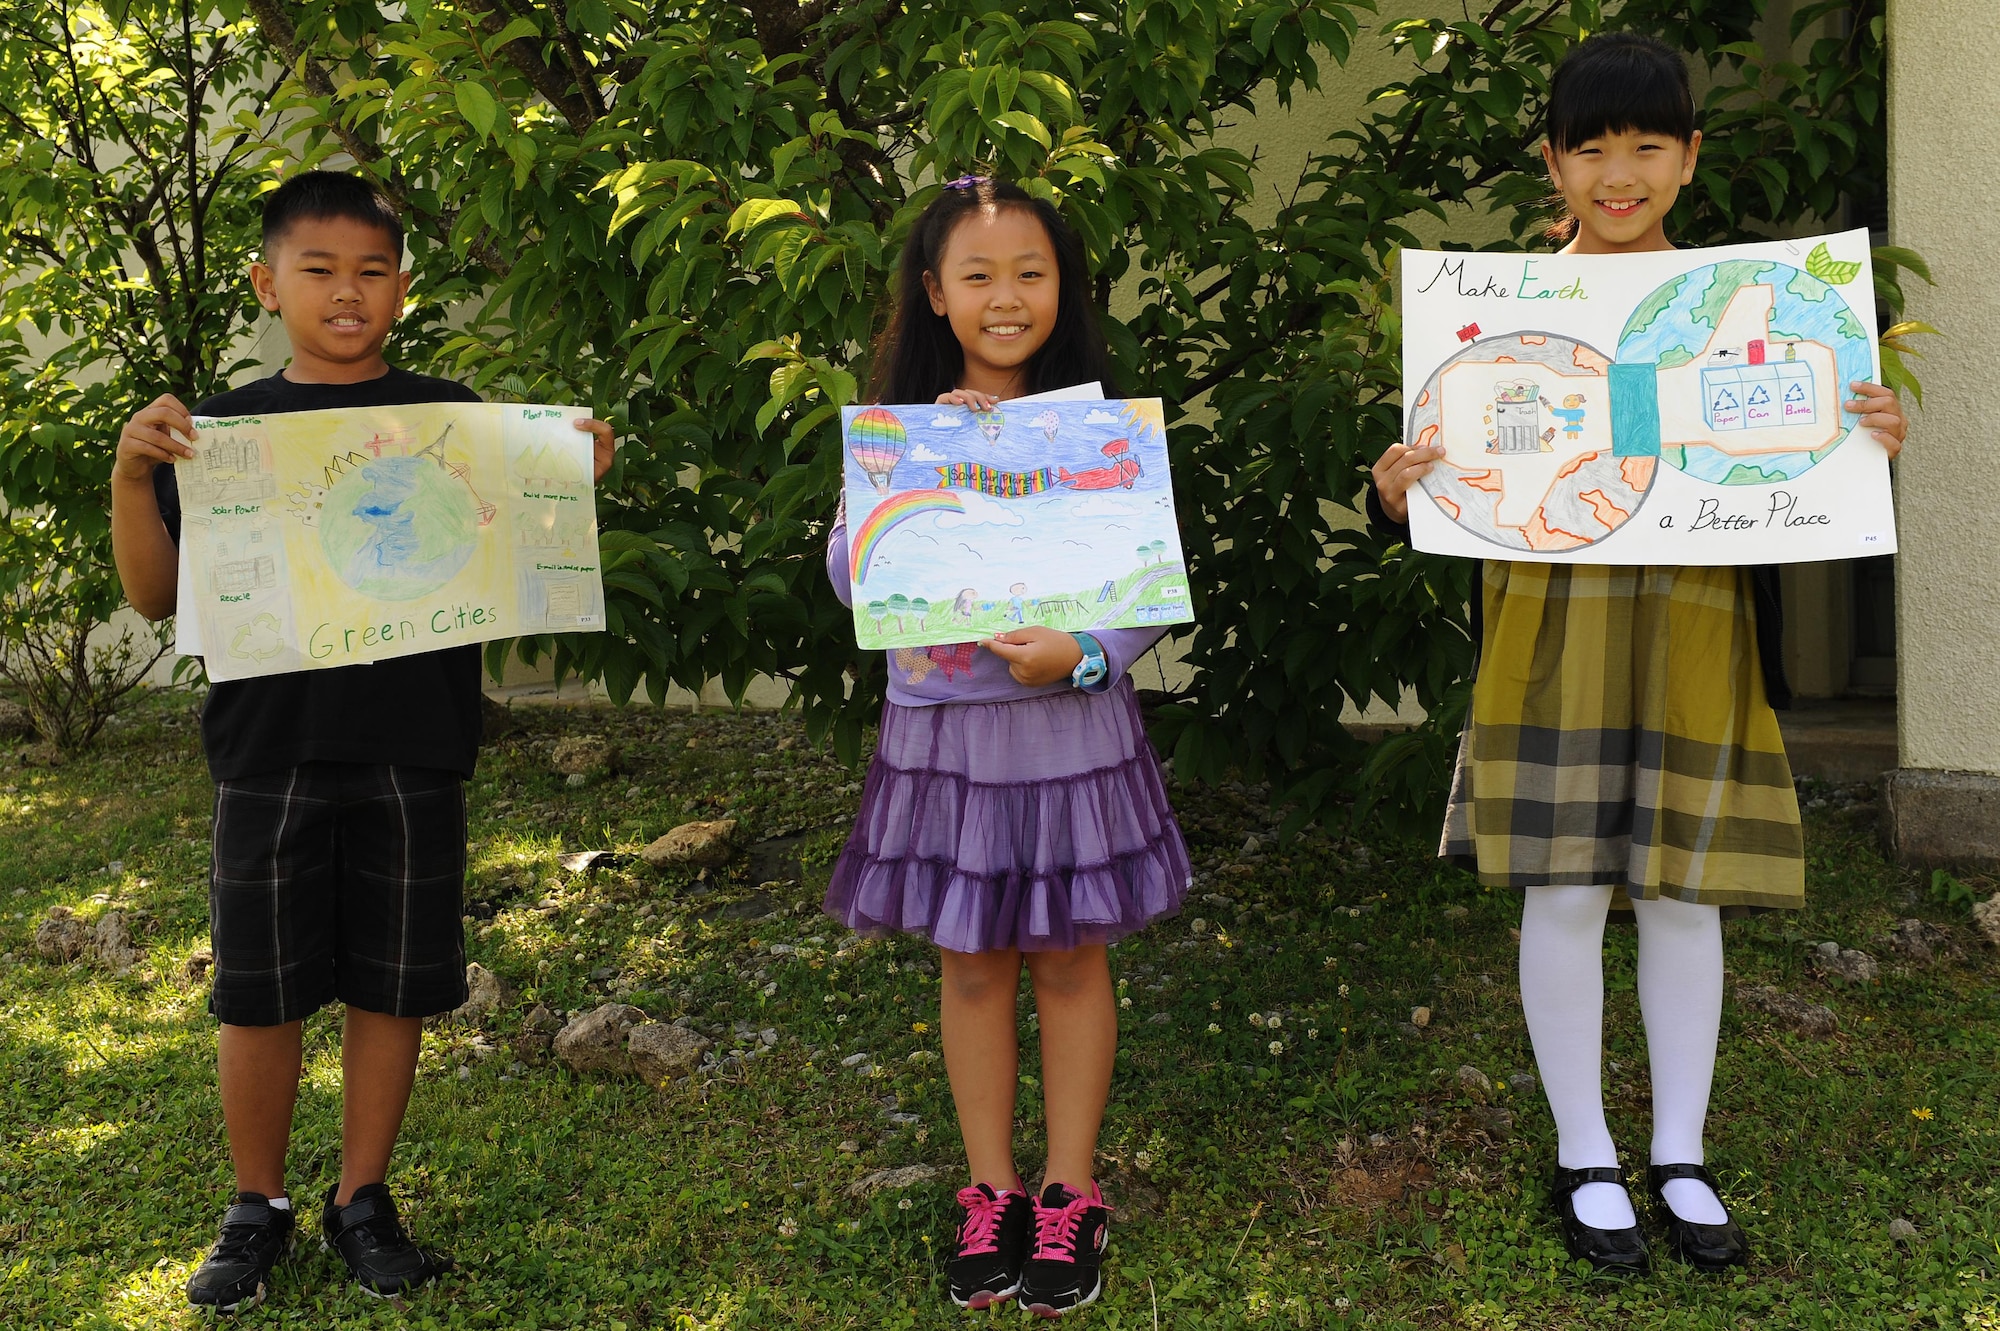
[339, 840]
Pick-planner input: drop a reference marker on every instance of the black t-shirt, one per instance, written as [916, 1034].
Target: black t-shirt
[414, 711]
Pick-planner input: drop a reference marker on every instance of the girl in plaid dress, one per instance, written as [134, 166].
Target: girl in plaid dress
[1621, 753]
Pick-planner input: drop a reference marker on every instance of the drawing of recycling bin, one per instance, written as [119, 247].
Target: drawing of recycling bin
[1517, 417]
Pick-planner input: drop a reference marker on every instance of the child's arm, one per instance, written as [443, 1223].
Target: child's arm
[1882, 412]
[1038, 656]
[147, 558]
[837, 570]
[1395, 473]
[602, 447]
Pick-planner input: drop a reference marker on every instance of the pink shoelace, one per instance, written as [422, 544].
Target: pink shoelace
[1055, 1227]
[980, 1231]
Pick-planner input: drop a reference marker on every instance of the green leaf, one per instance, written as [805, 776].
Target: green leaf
[1821, 264]
[476, 104]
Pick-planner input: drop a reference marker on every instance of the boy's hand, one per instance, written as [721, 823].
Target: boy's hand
[1399, 469]
[1882, 412]
[1036, 656]
[602, 448]
[971, 401]
[145, 443]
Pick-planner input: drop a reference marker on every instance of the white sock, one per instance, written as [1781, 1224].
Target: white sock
[1680, 997]
[280, 1202]
[1562, 996]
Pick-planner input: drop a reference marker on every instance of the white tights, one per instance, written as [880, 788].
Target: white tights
[1680, 1000]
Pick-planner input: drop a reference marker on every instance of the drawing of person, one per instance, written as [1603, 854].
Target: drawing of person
[962, 607]
[1017, 603]
[1570, 413]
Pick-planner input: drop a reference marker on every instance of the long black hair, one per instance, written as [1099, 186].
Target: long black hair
[917, 358]
[1614, 83]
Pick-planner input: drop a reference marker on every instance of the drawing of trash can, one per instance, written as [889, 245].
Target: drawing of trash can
[1517, 417]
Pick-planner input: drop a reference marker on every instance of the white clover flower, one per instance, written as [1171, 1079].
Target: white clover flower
[1257, 1020]
[1343, 991]
[1144, 1159]
[903, 1204]
[1312, 1033]
[1124, 1002]
[1214, 1029]
[1277, 1047]
[788, 1228]
[840, 1020]
[1274, 1021]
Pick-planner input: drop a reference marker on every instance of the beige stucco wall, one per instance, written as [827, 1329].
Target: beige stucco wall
[1944, 119]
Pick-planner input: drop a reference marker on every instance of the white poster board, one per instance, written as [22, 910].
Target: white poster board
[1677, 407]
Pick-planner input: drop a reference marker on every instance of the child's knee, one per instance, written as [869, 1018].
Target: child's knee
[1067, 974]
[979, 977]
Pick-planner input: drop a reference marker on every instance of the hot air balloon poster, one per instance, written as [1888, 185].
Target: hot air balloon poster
[964, 524]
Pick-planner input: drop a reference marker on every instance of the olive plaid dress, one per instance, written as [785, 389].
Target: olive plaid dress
[1620, 734]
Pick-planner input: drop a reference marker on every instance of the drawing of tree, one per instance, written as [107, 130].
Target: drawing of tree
[899, 605]
[1143, 551]
[878, 611]
[1159, 549]
[921, 609]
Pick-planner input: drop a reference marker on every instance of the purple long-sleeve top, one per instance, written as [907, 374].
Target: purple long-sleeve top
[967, 672]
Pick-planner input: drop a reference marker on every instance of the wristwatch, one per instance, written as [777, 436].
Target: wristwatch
[1092, 668]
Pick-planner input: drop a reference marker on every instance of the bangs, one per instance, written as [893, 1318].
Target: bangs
[1619, 83]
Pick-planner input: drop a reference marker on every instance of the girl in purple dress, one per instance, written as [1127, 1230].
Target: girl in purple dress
[1014, 810]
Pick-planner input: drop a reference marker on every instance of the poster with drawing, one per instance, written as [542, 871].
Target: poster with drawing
[327, 538]
[1680, 407]
[964, 524]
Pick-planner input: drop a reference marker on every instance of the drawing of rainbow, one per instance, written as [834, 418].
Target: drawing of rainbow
[890, 514]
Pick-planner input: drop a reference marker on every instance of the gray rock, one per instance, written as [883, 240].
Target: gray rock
[707, 845]
[891, 1180]
[198, 963]
[1921, 943]
[61, 937]
[1901, 1230]
[15, 723]
[595, 1041]
[542, 1019]
[1523, 1083]
[1495, 1123]
[1986, 914]
[1787, 1009]
[111, 943]
[486, 993]
[1474, 1083]
[580, 755]
[1831, 961]
[660, 1052]
[1420, 1017]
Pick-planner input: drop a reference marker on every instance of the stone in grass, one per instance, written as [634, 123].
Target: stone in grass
[1495, 1123]
[1788, 1009]
[891, 1180]
[660, 1052]
[1475, 1083]
[1901, 1230]
[61, 937]
[1921, 943]
[485, 994]
[1986, 914]
[595, 1041]
[706, 845]
[198, 963]
[581, 755]
[1831, 961]
[111, 943]
[1420, 1017]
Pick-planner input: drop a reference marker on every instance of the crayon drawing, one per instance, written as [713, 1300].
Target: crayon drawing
[964, 524]
[328, 538]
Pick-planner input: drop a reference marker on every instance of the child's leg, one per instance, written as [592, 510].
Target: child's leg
[378, 1066]
[258, 1068]
[1680, 996]
[978, 1027]
[1079, 1021]
[1562, 996]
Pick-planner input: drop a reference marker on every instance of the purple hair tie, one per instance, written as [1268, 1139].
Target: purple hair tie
[966, 182]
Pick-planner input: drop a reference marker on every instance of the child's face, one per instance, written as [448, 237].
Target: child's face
[996, 283]
[336, 283]
[1620, 188]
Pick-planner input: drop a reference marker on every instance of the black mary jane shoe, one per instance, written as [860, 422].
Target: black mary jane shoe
[1619, 1252]
[1704, 1247]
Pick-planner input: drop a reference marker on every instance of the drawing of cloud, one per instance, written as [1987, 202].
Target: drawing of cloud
[1103, 506]
[947, 420]
[974, 553]
[980, 511]
[919, 453]
[1098, 416]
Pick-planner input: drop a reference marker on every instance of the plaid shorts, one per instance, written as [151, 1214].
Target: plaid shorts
[337, 881]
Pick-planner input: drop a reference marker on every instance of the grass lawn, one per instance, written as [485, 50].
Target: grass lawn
[1326, 1169]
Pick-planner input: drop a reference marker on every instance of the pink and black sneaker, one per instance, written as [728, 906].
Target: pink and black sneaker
[992, 1242]
[1064, 1271]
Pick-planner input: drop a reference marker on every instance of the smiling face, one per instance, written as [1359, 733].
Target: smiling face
[337, 284]
[996, 284]
[1620, 187]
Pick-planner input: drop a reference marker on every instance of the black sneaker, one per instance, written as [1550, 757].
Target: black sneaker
[255, 1238]
[992, 1242]
[370, 1239]
[1064, 1269]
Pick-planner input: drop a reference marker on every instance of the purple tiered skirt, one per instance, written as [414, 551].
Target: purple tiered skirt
[1041, 824]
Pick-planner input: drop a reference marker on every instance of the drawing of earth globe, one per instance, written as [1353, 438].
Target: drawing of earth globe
[1525, 422]
[1754, 359]
[397, 528]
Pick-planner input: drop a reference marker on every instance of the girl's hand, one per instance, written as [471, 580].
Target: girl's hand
[602, 447]
[971, 401]
[1036, 656]
[148, 438]
[1399, 469]
[1882, 412]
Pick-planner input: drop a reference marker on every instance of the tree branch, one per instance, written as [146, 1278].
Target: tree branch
[581, 105]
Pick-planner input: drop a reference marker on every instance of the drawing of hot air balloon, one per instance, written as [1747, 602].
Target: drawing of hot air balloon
[989, 423]
[877, 440]
[1050, 423]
